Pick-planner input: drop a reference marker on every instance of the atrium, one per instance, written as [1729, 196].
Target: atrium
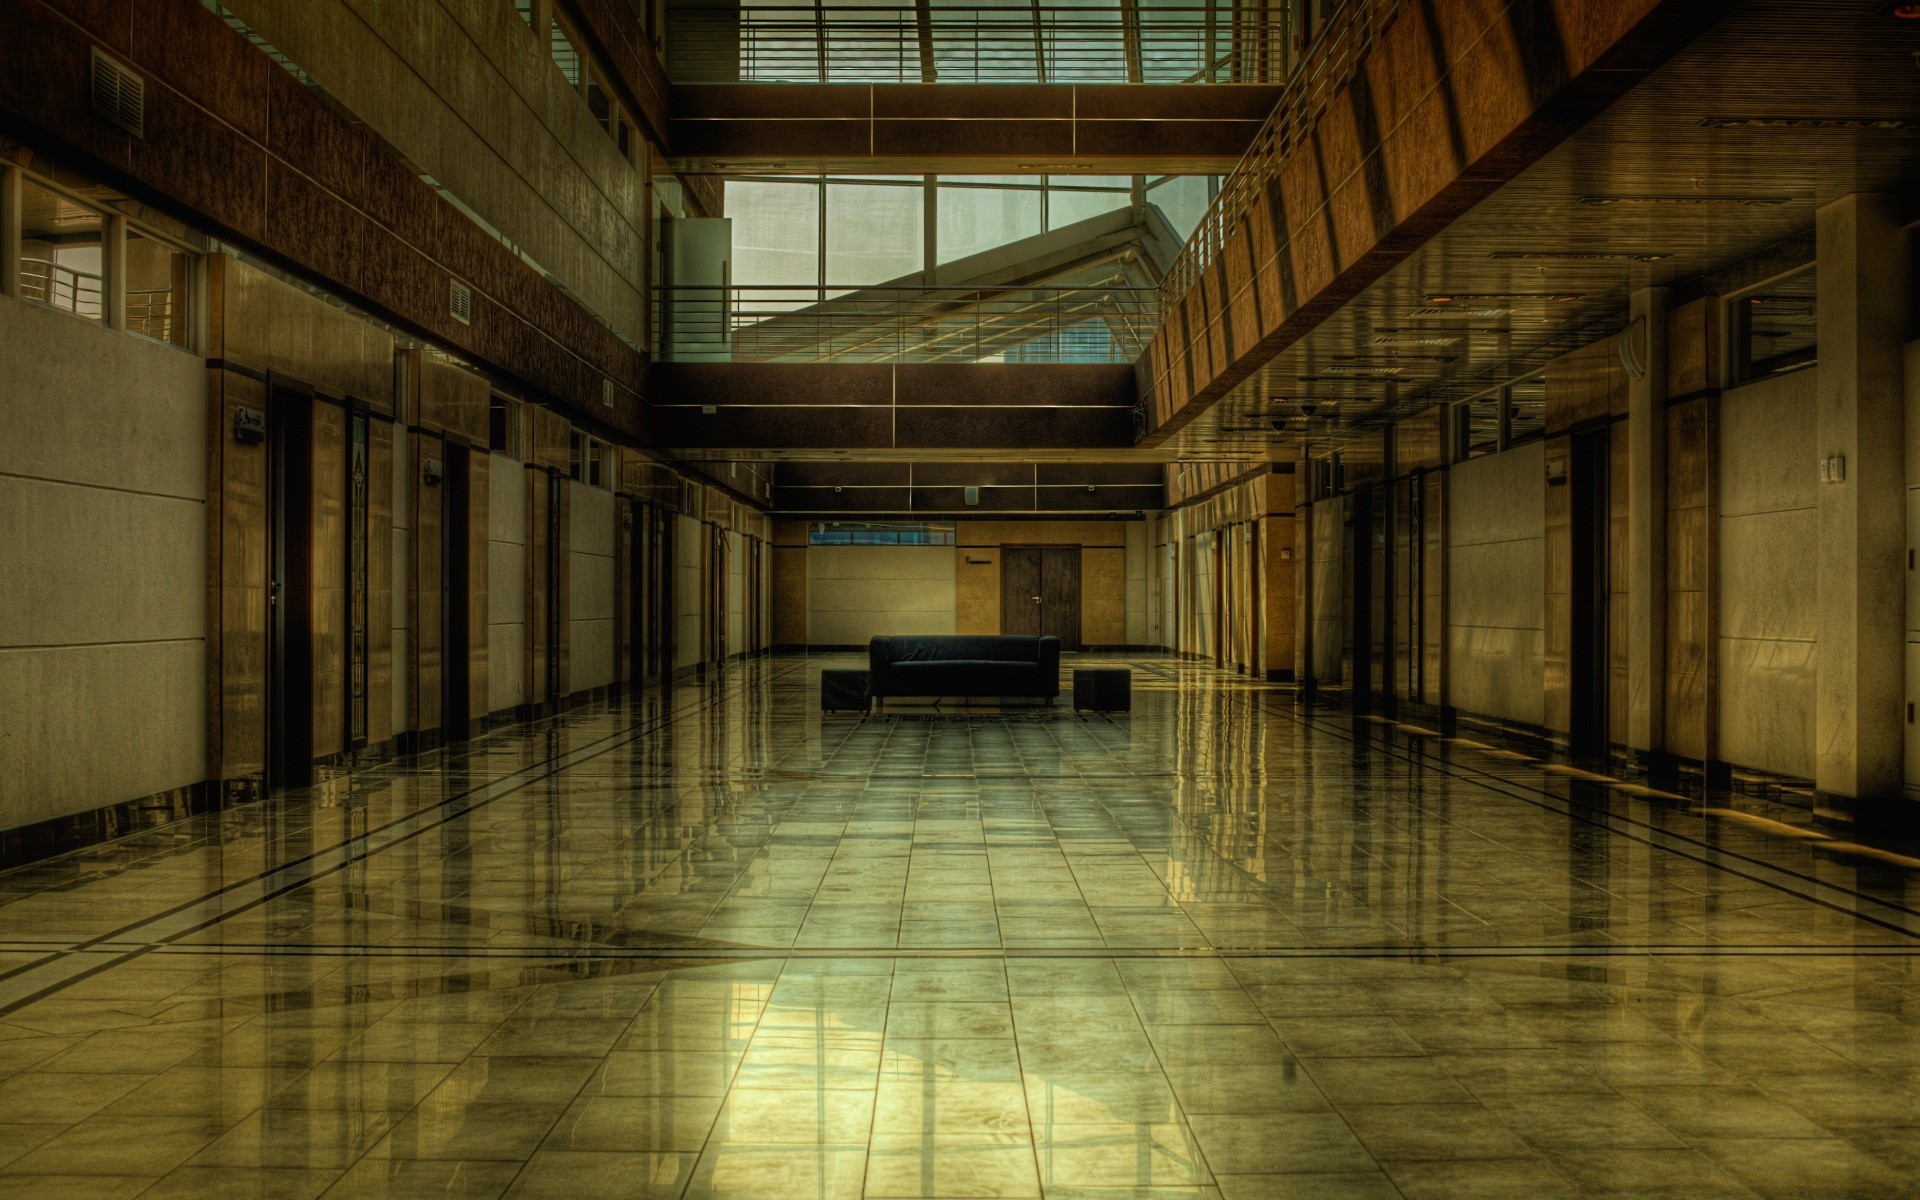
[1066, 600]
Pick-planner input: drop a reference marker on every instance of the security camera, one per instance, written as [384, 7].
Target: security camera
[1307, 410]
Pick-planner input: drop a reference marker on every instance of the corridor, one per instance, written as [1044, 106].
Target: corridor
[712, 942]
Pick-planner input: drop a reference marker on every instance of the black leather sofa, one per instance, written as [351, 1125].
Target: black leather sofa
[964, 666]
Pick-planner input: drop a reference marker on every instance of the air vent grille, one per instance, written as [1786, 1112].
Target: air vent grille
[460, 301]
[606, 392]
[119, 94]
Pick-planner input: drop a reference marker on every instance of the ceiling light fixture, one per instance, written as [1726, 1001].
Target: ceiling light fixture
[1461, 314]
[1691, 201]
[1468, 297]
[1870, 124]
[1578, 255]
[1388, 341]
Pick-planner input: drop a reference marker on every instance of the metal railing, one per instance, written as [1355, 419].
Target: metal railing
[61, 287]
[150, 313]
[1188, 42]
[1097, 322]
[1329, 63]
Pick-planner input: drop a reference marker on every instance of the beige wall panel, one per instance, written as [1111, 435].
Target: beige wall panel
[977, 590]
[454, 399]
[860, 591]
[539, 587]
[1557, 674]
[95, 725]
[105, 567]
[788, 594]
[1768, 586]
[1103, 596]
[1041, 533]
[689, 545]
[1137, 560]
[506, 583]
[88, 405]
[1496, 579]
[85, 565]
[736, 593]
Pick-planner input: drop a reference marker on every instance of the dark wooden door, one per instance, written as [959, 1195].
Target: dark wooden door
[1040, 592]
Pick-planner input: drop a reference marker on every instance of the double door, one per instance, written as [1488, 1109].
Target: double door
[1040, 592]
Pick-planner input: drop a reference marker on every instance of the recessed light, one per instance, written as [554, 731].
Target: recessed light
[1745, 201]
[1387, 341]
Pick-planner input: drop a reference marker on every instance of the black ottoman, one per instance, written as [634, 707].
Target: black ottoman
[843, 691]
[1103, 689]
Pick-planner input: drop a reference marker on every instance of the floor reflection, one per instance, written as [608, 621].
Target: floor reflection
[712, 942]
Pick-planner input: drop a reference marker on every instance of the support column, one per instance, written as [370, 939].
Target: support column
[1647, 534]
[113, 272]
[9, 231]
[1859, 434]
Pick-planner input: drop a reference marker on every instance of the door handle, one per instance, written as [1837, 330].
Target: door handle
[1036, 599]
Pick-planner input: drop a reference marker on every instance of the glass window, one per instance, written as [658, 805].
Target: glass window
[158, 278]
[973, 219]
[776, 244]
[874, 233]
[881, 533]
[60, 252]
[1073, 198]
[525, 9]
[1774, 326]
[1182, 200]
[565, 56]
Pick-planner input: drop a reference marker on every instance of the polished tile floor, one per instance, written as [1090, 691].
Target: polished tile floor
[714, 943]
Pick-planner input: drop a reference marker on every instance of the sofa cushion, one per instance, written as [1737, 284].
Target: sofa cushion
[947, 648]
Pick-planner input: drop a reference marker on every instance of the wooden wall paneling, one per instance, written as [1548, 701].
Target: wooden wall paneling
[1690, 544]
[1433, 583]
[454, 400]
[1278, 547]
[562, 596]
[238, 509]
[1103, 596]
[424, 622]
[623, 526]
[379, 580]
[790, 583]
[539, 587]
[479, 539]
[1693, 348]
[329, 579]
[1585, 384]
[1558, 676]
[1619, 578]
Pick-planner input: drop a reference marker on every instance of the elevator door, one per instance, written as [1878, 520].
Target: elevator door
[455, 637]
[1040, 592]
[1589, 734]
[289, 590]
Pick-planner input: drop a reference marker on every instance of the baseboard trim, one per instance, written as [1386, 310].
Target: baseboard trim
[28, 844]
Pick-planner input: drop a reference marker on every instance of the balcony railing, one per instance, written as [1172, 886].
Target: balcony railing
[1329, 63]
[1083, 323]
[61, 287]
[1120, 42]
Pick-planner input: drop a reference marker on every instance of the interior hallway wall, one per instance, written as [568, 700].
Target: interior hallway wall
[590, 587]
[1769, 538]
[857, 592]
[1326, 611]
[465, 91]
[103, 566]
[737, 641]
[507, 584]
[1496, 578]
[689, 590]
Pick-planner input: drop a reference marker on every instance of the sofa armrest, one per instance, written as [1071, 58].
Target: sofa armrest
[879, 656]
[1050, 661]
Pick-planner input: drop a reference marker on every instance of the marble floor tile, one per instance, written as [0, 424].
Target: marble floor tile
[713, 943]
